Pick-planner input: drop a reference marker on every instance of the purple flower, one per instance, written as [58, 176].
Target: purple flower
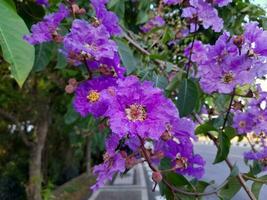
[205, 13]
[255, 39]
[46, 30]
[108, 67]
[105, 17]
[157, 21]
[172, 2]
[91, 96]
[139, 109]
[180, 152]
[243, 122]
[43, 2]
[86, 42]
[113, 163]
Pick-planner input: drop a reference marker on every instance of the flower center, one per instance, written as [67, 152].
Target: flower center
[242, 124]
[136, 112]
[93, 96]
[228, 77]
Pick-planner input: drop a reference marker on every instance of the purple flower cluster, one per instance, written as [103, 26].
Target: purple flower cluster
[202, 12]
[232, 61]
[138, 113]
[254, 119]
[92, 45]
[155, 22]
[105, 17]
[46, 30]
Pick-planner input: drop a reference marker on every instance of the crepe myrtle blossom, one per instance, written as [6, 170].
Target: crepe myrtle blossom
[182, 159]
[139, 108]
[46, 30]
[260, 156]
[226, 64]
[107, 66]
[105, 17]
[113, 163]
[243, 122]
[155, 22]
[87, 42]
[90, 96]
[203, 12]
[254, 118]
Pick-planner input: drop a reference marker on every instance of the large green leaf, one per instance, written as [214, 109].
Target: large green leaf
[16, 51]
[127, 56]
[187, 97]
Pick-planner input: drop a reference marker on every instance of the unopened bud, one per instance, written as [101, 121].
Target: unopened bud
[69, 89]
[75, 8]
[72, 82]
[156, 177]
[82, 11]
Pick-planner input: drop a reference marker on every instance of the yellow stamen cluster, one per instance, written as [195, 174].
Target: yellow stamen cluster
[93, 96]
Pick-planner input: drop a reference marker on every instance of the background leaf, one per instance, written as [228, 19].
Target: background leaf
[127, 56]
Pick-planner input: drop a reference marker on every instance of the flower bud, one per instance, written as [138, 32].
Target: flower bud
[69, 89]
[156, 177]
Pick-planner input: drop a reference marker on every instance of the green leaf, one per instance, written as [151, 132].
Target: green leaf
[16, 51]
[61, 61]
[230, 189]
[71, 116]
[205, 128]
[256, 186]
[127, 56]
[117, 6]
[43, 55]
[187, 97]
[176, 180]
[224, 148]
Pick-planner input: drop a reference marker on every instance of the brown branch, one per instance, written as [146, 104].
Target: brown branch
[11, 118]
